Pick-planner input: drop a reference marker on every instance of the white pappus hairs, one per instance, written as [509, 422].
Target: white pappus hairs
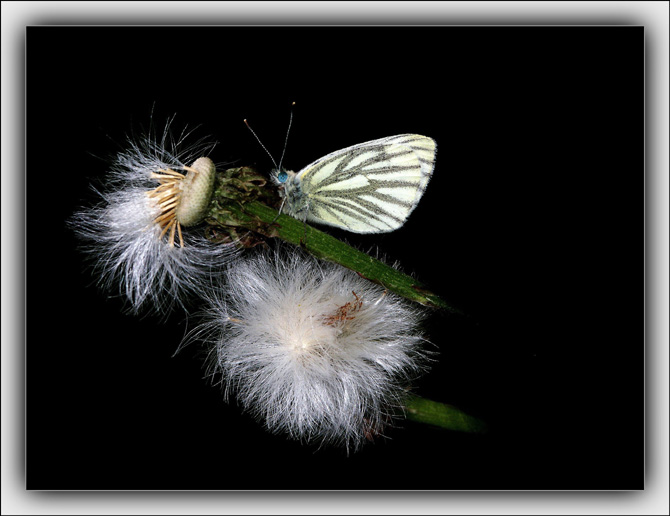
[134, 236]
[311, 349]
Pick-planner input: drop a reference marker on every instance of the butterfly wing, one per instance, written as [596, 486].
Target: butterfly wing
[371, 187]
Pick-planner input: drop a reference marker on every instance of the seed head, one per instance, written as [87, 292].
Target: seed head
[135, 237]
[182, 198]
[311, 349]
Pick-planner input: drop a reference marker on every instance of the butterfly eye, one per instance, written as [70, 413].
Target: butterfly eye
[282, 176]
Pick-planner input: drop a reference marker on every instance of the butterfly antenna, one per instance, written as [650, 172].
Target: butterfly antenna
[261, 143]
[290, 121]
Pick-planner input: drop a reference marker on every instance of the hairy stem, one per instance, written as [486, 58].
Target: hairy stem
[241, 208]
[423, 410]
[324, 246]
[241, 201]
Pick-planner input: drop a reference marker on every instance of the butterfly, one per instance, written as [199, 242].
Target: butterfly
[371, 187]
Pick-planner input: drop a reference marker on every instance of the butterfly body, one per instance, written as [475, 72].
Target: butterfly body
[371, 187]
[291, 188]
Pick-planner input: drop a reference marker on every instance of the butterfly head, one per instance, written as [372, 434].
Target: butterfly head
[282, 176]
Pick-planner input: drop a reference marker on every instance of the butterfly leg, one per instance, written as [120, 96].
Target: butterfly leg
[304, 227]
[280, 210]
[303, 239]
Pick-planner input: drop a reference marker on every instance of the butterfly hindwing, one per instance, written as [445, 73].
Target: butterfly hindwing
[371, 187]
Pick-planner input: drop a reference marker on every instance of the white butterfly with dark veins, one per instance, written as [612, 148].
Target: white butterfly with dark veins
[371, 187]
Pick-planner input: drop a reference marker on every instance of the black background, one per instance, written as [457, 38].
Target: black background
[532, 225]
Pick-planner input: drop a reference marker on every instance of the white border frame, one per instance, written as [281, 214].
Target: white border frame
[17, 15]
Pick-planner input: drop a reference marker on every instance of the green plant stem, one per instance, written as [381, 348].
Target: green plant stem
[327, 247]
[262, 218]
[423, 410]
[242, 201]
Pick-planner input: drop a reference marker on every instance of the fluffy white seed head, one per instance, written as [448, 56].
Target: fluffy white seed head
[313, 350]
[134, 236]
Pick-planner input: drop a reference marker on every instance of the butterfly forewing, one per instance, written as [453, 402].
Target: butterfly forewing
[371, 187]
